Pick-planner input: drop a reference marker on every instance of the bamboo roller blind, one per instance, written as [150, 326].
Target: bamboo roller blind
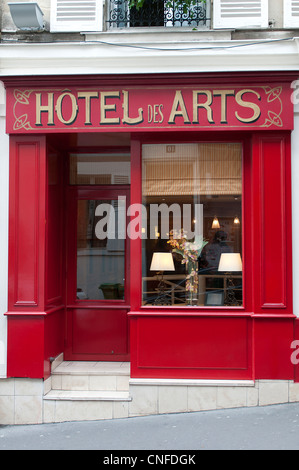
[188, 169]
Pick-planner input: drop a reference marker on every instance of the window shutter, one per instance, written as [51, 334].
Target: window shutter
[240, 13]
[291, 14]
[76, 15]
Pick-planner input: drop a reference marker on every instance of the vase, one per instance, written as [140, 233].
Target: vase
[192, 283]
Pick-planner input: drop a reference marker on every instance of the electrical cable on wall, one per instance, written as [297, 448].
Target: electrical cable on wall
[234, 46]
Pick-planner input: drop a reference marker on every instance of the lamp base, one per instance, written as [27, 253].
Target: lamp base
[162, 295]
[230, 298]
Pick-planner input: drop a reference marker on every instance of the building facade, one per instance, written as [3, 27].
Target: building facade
[148, 208]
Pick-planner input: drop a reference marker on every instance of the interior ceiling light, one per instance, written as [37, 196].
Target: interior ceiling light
[215, 223]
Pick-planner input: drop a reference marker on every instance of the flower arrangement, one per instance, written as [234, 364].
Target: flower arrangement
[190, 251]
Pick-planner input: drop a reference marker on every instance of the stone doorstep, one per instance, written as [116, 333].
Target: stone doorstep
[74, 379]
[87, 395]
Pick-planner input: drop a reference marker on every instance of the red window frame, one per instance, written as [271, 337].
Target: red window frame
[136, 197]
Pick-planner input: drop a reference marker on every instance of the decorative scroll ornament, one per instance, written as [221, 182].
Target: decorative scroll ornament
[273, 119]
[21, 122]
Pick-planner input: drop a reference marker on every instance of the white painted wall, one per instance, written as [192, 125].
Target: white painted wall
[4, 185]
[133, 52]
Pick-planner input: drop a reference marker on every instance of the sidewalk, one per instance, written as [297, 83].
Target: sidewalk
[264, 428]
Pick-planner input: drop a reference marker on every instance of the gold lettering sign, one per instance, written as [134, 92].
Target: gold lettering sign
[126, 119]
[48, 108]
[247, 104]
[206, 105]
[178, 109]
[87, 95]
[150, 108]
[104, 96]
[74, 108]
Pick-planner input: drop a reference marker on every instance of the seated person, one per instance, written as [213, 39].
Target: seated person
[210, 256]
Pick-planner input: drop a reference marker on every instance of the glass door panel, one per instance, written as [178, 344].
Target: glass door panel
[101, 249]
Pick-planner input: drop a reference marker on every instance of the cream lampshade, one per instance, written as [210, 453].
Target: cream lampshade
[230, 262]
[162, 262]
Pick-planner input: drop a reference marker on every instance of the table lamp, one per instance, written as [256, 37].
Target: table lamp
[230, 262]
[162, 262]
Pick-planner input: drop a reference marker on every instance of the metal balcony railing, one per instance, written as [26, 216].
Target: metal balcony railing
[158, 13]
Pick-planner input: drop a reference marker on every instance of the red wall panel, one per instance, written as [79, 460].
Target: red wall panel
[271, 231]
[25, 346]
[27, 216]
[26, 289]
[100, 332]
[186, 346]
[272, 346]
[273, 220]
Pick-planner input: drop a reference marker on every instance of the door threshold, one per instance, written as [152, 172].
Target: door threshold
[92, 368]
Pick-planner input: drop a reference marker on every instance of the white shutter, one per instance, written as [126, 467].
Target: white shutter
[236, 14]
[291, 14]
[76, 15]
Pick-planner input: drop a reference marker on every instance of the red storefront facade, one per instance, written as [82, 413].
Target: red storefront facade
[51, 119]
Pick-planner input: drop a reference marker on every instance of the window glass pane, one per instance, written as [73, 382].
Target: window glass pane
[99, 169]
[100, 250]
[193, 199]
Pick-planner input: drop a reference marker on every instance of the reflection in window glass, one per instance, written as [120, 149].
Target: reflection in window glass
[193, 199]
[100, 257]
[99, 169]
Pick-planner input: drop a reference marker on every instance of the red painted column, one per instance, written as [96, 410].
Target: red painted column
[135, 245]
[272, 256]
[295, 351]
[26, 299]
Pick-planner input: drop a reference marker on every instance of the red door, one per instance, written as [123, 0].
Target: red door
[97, 274]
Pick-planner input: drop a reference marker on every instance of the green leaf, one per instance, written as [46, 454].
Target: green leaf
[185, 4]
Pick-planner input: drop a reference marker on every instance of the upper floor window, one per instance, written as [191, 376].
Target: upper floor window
[88, 15]
[159, 13]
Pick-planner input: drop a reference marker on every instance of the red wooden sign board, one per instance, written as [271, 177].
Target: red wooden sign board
[89, 109]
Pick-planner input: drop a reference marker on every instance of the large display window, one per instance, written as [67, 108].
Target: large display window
[192, 236]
